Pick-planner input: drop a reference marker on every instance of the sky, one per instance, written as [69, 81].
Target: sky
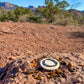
[79, 4]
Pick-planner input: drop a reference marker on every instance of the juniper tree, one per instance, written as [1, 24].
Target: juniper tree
[52, 8]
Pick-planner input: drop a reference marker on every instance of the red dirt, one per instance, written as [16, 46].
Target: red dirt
[16, 39]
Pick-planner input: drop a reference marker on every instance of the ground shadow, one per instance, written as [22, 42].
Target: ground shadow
[77, 34]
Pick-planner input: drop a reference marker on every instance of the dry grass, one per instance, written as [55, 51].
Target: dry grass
[23, 18]
[63, 21]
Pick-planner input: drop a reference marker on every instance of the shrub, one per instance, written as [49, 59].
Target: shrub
[61, 20]
[81, 21]
[52, 9]
[21, 11]
[17, 15]
[37, 19]
[3, 17]
[23, 18]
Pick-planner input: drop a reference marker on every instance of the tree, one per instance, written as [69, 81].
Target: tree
[11, 16]
[52, 9]
[21, 11]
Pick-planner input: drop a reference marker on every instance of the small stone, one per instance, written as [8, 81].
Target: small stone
[69, 65]
[11, 58]
[39, 77]
[43, 56]
[39, 72]
[32, 65]
[30, 71]
[48, 76]
[59, 75]
[39, 59]
[76, 81]
[40, 69]
[63, 63]
[59, 71]
[54, 77]
[62, 80]
[60, 58]
[64, 75]
[33, 62]
[71, 69]
[58, 83]
[52, 73]
[79, 79]
[35, 76]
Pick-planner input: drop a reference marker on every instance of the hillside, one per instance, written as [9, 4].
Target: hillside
[7, 5]
[76, 12]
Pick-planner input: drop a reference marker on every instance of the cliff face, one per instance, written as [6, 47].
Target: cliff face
[7, 5]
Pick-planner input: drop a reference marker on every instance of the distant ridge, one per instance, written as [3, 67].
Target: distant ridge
[76, 12]
[82, 11]
[7, 5]
[11, 6]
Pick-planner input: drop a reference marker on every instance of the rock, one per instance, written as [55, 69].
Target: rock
[62, 80]
[75, 80]
[30, 71]
[2, 70]
[11, 58]
[79, 79]
[58, 83]
[71, 69]
[63, 63]
[64, 75]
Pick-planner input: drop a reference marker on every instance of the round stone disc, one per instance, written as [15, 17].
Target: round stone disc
[49, 64]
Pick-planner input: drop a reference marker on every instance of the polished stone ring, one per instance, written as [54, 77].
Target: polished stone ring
[49, 64]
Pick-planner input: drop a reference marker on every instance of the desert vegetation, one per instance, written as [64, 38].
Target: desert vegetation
[54, 12]
[15, 15]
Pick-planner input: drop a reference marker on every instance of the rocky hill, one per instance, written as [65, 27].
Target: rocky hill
[76, 12]
[11, 6]
[7, 5]
[82, 11]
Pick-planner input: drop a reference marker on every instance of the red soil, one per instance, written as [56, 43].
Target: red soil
[19, 39]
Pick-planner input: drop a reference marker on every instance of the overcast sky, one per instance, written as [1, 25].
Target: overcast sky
[79, 4]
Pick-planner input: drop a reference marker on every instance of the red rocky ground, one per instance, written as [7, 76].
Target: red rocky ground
[20, 39]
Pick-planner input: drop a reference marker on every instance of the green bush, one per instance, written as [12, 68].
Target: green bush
[16, 14]
[8, 16]
[81, 21]
[3, 17]
[52, 9]
[53, 13]
[37, 19]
